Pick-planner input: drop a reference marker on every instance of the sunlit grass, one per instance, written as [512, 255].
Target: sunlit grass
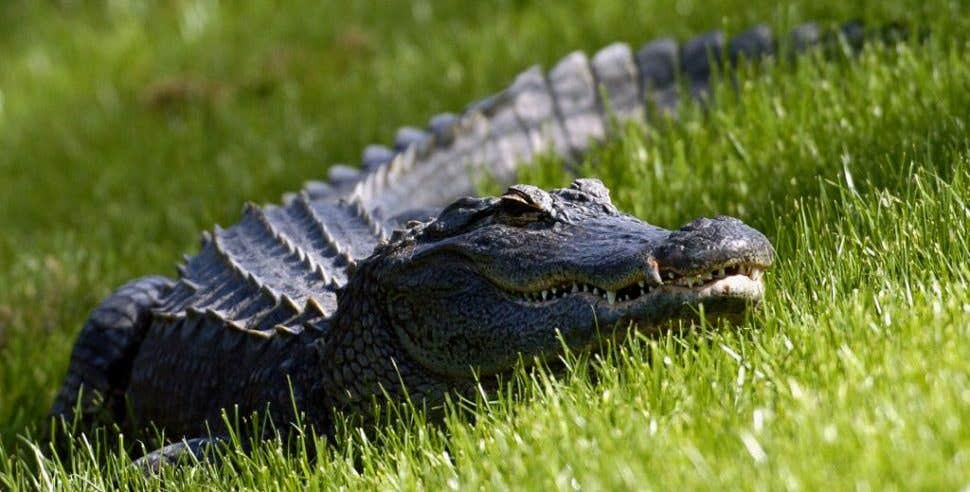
[855, 373]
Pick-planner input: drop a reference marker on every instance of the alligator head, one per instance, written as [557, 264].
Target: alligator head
[490, 280]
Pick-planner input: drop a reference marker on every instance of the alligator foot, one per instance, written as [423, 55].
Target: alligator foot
[184, 452]
[94, 388]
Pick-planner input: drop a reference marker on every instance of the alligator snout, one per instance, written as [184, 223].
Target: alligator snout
[706, 244]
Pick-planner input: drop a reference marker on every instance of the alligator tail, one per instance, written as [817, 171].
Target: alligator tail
[564, 111]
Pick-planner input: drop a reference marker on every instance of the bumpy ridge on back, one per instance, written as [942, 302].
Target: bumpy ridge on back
[562, 112]
[278, 267]
[265, 270]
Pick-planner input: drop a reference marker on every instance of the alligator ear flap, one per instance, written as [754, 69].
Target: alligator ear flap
[517, 204]
[526, 198]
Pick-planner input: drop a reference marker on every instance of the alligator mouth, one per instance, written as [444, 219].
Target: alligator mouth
[737, 279]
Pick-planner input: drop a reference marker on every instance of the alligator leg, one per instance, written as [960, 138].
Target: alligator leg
[184, 452]
[93, 392]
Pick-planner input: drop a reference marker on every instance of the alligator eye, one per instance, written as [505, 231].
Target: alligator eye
[517, 207]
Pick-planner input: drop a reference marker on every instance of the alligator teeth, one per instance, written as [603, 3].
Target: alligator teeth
[630, 294]
[627, 294]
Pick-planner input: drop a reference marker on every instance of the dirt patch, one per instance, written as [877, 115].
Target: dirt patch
[184, 90]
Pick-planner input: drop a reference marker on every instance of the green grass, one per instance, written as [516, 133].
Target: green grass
[128, 128]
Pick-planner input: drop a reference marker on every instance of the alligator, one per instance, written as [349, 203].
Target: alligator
[393, 282]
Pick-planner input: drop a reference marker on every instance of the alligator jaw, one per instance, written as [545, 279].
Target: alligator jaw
[739, 280]
[740, 286]
[721, 293]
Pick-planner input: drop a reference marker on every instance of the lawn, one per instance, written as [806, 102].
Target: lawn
[127, 128]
